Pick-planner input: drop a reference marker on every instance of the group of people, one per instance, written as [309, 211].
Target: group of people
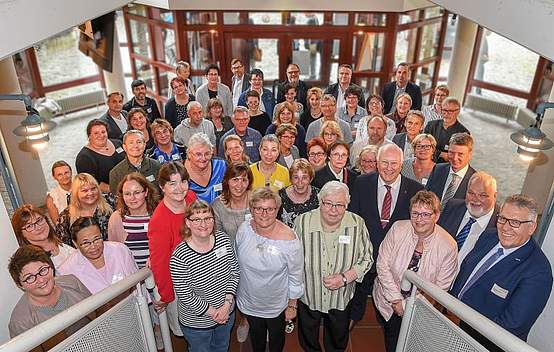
[262, 212]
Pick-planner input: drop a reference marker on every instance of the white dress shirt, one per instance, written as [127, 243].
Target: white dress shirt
[237, 89]
[476, 230]
[461, 173]
[382, 190]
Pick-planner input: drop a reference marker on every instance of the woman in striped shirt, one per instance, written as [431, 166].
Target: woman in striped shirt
[205, 275]
[136, 200]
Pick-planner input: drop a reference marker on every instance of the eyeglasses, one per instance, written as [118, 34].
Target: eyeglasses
[87, 244]
[43, 271]
[289, 137]
[198, 221]
[318, 154]
[329, 205]
[331, 134]
[339, 155]
[33, 225]
[236, 67]
[293, 72]
[206, 155]
[261, 210]
[362, 161]
[449, 111]
[423, 215]
[513, 222]
[423, 146]
[132, 194]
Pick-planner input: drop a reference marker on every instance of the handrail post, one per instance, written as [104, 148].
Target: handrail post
[164, 325]
[146, 320]
[408, 314]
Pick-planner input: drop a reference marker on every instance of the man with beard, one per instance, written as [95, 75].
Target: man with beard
[293, 78]
[467, 219]
[140, 100]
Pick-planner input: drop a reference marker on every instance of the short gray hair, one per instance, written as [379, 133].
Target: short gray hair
[332, 187]
[329, 97]
[199, 139]
[483, 177]
[130, 132]
[523, 201]
[240, 110]
[269, 138]
[194, 104]
[386, 147]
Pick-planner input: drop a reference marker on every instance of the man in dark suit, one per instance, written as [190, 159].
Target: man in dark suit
[115, 117]
[240, 81]
[506, 277]
[467, 219]
[338, 89]
[401, 85]
[380, 199]
[293, 78]
[449, 180]
[414, 124]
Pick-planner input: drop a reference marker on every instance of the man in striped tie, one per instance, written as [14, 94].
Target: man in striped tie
[466, 219]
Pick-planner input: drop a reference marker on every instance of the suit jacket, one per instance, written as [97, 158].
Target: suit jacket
[400, 140]
[301, 93]
[514, 291]
[333, 89]
[437, 181]
[113, 129]
[324, 175]
[453, 214]
[223, 94]
[364, 203]
[412, 89]
[245, 83]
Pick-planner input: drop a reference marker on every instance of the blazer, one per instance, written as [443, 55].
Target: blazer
[412, 89]
[437, 181]
[514, 291]
[400, 140]
[223, 94]
[333, 89]
[267, 99]
[113, 129]
[324, 175]
[245, 82]
[364, 203]
[453, 213]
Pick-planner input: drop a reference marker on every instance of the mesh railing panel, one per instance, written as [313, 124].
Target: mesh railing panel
[119, 329]
[431, 331]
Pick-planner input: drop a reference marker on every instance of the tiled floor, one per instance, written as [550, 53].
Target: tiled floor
[367, 335]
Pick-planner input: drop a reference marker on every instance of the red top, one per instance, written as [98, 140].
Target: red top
[163, 236]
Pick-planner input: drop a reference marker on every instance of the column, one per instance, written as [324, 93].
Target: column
[115, 80]
[461, 57]
[26, 166]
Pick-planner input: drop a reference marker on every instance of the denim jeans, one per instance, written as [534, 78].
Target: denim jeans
[214, 339]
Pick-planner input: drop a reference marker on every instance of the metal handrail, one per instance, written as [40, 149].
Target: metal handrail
[45, 330]
[486, 327]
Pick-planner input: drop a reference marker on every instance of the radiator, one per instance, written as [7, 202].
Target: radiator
[490, 106]
[81, 101]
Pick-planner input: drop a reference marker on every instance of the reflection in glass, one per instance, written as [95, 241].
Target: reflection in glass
[306, 53]
[201, 48]
[370, 19]
[140, 38]
[368, 50]
[146, 73]
[162, 14]
[429, 41]
[258, 53]
[306, 18]
[340, 19]
[370, 85]
[408, 17]
[136, 9]
[165, 45]
[231, 18]
[265, 18]
[200, 17]
[424, 76]
[405, 46]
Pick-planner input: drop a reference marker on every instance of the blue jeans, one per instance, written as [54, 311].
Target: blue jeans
[214, 339]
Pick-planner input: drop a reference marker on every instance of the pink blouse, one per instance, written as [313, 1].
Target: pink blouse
[438, 263]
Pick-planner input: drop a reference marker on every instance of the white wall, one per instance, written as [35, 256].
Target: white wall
[24, 23]
[527, 22]
[9, 294]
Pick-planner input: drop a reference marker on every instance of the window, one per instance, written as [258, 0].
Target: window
[165, 45]
[370, 19]
[432, 12]
[201, 48]
[139, 10]
[405, 46]
[140, 38]
[340, 19]
[146, 73]
[162, 14]
[429, 41]
[199, 17]
[424, 76]
[265, 18]
[408, 17]
[306, 18]
[368, 51]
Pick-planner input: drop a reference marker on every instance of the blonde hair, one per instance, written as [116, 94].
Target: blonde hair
[282, 107]
[75, 207]
[334, 126]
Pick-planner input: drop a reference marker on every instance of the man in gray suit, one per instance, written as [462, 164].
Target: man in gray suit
[214, 89]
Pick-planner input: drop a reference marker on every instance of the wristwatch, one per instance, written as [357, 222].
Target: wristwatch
[344, 279]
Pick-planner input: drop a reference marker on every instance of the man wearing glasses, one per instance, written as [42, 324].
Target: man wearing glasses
[506, 277]
[240, 81]
[293, 78]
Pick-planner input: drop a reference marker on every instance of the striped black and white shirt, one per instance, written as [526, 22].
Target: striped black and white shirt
[137, 237]
[203, 279]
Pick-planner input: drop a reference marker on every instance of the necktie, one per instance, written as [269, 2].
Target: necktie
[464, 232]
[483, 269]
[385, 209]
[450, 190]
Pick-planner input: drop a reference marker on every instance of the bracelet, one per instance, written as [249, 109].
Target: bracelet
[344, 279]
[292, 307]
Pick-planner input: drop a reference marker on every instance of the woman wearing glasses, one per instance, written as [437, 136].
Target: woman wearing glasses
[205, 276]
[43, 294]
[366, 162]
[205, 173]
[420, 245]
[420, 166]
[285, 114]
[288, 152]
[317, 153]
[331, 132]
[271, 263]
[32, 227]
[336, 167]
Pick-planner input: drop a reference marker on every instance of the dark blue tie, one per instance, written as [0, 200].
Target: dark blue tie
[464, 232]
[483, 269]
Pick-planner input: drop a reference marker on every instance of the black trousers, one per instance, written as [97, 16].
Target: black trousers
[359, 301]
[488, 344]
[335, 327]
[260, 327]
[391, 327]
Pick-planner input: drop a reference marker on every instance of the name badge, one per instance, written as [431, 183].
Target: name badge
[176, 157]
[344, 239]
[356, 124]
[119, 150]
[499, 291]
[218, 187]
[146, 227]
[247, 217]
[161, 159]
[278, 184]
[220, 252]
[150, 178]
[424, 181]
[446, 148]
[249, 144]
[149, 110]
